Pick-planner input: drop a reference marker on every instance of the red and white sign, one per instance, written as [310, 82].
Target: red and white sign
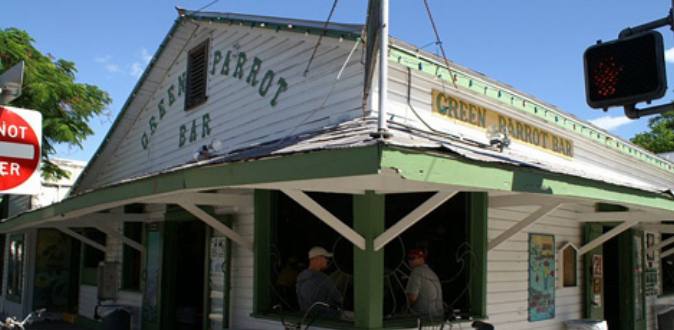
[20, 150]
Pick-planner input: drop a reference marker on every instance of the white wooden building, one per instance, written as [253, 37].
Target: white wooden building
[21, 300]
[249, 139]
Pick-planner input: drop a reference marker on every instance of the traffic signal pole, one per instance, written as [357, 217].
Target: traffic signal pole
[631, 111]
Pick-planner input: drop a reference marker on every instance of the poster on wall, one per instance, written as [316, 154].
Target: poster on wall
[541, 277]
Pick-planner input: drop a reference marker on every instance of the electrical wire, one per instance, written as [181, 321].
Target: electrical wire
[439, 42]
[206, 6]
[320, 38]
[327, 96]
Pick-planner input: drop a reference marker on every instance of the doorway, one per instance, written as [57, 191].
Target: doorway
[184, 306]
[621, 272]
[611, 282]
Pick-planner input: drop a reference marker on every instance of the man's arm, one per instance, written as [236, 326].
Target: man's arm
[413, 287]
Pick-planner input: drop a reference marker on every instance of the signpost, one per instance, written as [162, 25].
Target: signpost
[20, 150]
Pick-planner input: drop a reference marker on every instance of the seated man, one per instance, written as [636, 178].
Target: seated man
[314, 286]
[424, 291]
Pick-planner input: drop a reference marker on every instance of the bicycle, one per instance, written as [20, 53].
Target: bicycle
[13, 323]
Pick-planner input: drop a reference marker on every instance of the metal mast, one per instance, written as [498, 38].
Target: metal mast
[383, 69]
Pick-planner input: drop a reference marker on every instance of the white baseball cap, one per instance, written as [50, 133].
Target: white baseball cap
[319, 251]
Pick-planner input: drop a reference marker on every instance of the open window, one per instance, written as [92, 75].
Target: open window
[453, 236]
[293, 234]
[445, 237]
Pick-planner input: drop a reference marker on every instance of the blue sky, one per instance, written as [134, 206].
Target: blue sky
[535, 46]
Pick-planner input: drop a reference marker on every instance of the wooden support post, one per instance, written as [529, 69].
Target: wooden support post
[667, 253]
[82, 238]
[412, 218]
[368, 284]
[328, 218]
[523, 224]
[110, 231]
[216, 224]
[617, 230]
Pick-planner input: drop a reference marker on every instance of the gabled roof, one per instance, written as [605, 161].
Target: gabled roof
[159, 65]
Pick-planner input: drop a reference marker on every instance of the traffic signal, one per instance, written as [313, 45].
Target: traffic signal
[625, 71]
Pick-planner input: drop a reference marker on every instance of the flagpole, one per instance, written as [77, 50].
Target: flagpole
[383, 69]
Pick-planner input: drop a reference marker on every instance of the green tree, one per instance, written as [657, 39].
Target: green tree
[49, 86]
[660, 138]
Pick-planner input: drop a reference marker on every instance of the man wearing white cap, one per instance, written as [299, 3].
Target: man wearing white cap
[315, 286]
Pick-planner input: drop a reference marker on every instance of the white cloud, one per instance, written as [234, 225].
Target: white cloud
[669, 55]
[103, 59]
[145, 55]
[111, 67]
[108, 65]
[137, 67]
[610, 123]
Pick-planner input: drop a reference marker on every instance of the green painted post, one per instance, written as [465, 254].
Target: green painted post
[477, 204]
[265, 206]
[591, 310]
[368, 279]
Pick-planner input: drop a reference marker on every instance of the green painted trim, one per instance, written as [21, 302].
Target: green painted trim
[477, 204]
[590, 311]
[485, 88]
[368, 220]
[445, 169]
[266, 203]
[322, 323]
[310, 165]
[87, 323]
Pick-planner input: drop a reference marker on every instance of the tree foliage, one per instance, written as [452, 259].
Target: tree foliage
[49, 86]
[660, 138]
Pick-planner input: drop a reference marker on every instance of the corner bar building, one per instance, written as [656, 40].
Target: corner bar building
[247, 141]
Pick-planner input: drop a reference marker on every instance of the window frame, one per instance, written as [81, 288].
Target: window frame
[192, 102]
[16, 297]
[265, 205]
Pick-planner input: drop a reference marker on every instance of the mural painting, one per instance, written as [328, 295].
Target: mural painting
[541, 277]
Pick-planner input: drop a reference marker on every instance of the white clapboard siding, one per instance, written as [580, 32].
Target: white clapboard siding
[242, 279]
[507, 280]
[586, 152]
[239, 116]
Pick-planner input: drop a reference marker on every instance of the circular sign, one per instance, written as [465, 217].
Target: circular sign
[19, 150]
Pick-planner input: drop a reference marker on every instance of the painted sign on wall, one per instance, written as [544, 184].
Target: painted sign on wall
[461, 111]
[541, 277]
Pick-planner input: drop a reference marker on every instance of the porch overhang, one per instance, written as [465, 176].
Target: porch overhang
[379, 168]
